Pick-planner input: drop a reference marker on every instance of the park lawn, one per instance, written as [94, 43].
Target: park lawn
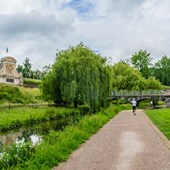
[161, 118]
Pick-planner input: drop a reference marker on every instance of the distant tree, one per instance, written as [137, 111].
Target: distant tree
[126, 77]
[19, 68]
[46, 69]
[162, 70]
[79, 76]
[37, 74]
[143, 62]
[153, 84]
[27, 68]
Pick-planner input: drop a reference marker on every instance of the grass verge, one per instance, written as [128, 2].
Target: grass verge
[17, 117]
[59, 145]
[161, 118]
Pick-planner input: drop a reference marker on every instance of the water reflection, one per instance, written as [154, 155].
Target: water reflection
[19, 137]
[33, 134]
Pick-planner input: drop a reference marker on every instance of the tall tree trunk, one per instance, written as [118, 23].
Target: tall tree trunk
[75, 104]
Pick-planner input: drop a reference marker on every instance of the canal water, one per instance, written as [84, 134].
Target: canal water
[34, 133]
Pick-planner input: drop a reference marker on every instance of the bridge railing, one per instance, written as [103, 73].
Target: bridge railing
[138, 93]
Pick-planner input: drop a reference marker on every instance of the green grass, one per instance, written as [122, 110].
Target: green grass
[165, 87]
[58, 145]
[161, 118]
[17, 117]
[31, 95]
[146, 104]
[32, 81]
[19, 94]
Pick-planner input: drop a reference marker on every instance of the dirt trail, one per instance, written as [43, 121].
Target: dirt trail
[127, 142]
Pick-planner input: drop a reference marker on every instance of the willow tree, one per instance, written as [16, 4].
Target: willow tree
[79, 76]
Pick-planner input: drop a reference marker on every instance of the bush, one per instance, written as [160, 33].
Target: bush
[84, 109]
[11, 94]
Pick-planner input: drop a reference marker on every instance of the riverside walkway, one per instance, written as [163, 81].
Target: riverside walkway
[126, 142]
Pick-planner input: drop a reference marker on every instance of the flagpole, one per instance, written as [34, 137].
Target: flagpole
[6, 50]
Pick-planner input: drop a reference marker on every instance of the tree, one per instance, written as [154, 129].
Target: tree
[142, 61]
[46, 69]
[162, 70]
[153, 84]
[27, 68]
[19, 68]
[80, 76]
[126, 77]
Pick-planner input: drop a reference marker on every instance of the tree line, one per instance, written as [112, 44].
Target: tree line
[160, 70]
[81, 76]
[28, 72]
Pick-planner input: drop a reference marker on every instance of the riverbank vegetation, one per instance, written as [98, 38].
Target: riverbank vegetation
[161, 118]
[17, 117]
[58, 145]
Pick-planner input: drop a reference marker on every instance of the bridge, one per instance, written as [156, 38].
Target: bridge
[142, 95]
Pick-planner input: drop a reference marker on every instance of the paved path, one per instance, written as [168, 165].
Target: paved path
[127, 142]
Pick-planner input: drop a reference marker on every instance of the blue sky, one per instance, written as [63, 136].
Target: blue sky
[82, 7]
[116, 29]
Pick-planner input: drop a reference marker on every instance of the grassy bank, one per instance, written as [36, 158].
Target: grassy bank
[19, 94]
[57, 146]
[17, 117]
[32, 81]
[161, 118]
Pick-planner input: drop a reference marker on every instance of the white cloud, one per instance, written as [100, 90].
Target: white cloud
[117, 29]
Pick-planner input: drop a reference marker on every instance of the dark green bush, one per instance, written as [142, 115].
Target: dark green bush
[84, 109]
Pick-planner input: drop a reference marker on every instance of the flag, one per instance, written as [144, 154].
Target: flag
[7, 50]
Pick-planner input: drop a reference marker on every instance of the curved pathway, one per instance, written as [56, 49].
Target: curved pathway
[127, 142]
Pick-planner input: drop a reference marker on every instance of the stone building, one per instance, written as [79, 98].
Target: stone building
[8, 72]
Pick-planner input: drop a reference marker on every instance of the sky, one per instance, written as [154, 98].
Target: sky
[116, 29]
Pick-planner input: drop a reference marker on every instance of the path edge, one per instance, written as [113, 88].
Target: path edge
[158, 132]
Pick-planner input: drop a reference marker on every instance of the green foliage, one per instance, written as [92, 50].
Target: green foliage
[151, 83]
[19, 94]
[84, 109]
[27, 72]
[161, 118]
[17, 117]
[165, 87]
[31, 81]
[126, 77]
[11, 94]
[142, 61]
[162, 70]
[80, 76]
[17, 154]
[59, 145]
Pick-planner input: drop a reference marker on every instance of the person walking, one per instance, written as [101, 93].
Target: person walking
[151, 104]
[134, 103]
